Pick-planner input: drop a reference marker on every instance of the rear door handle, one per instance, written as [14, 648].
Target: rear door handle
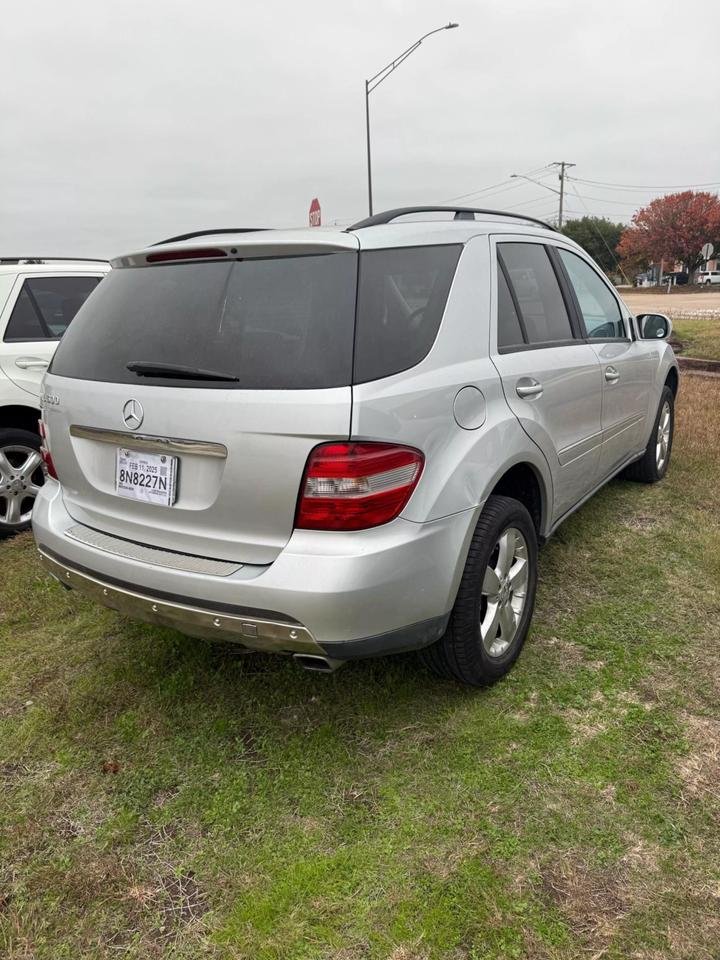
[527, 388]
[612, 374]
[31, 363]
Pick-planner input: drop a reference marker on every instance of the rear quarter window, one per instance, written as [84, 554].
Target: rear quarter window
[402, 294]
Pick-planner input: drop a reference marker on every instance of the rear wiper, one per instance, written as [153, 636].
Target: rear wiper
[176, 371]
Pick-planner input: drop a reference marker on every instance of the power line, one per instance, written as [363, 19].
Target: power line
[605, 243]
[619, 203]
[525, 203]
[506, 184]
[645, 186]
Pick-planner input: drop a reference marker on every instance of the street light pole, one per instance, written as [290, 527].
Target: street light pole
[375, 81]
[367, 130]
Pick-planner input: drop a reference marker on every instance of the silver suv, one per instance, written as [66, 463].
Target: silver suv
[342, 444]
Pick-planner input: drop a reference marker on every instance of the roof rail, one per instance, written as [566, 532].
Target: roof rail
[461, 213]
[208, 233]
[46, 259]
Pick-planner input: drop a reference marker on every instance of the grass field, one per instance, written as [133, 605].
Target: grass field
[159, 799]
[701, 338]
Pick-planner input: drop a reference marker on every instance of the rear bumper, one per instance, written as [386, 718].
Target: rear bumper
[346, 596]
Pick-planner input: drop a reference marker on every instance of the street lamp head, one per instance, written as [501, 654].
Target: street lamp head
[451, 26]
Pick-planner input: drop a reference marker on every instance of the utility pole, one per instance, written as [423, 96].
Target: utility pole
[564, 165]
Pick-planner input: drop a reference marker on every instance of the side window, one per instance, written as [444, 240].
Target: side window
[537, 292]
[509, 331]
[402, 294]
[46, 306]
[600, 310]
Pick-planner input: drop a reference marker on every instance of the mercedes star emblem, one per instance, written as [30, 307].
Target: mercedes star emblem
[133, 414]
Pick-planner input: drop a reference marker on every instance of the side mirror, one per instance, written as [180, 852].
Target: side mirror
[654, 326]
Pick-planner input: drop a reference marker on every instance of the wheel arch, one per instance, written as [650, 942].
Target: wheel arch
[20, 417]
[523, 481]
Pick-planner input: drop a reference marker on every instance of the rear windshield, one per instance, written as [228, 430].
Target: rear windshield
[274, 324]
[285, 323]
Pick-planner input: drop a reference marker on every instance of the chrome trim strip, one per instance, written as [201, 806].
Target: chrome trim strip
[143, 553]
[252, 632]
[617, 428]
[142, 441]
[579, 449]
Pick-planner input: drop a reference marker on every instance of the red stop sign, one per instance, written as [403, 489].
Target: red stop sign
[315, 213]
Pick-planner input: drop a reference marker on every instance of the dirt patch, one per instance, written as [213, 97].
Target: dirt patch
[163, 906]
[679, 300]
[595, 900]
[408, 953]
[567, 653]
[700, 770]
[585, 725]
[695, 365]
[355, 796]
[641, 522]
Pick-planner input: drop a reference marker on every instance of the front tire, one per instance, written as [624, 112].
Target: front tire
[21, 476]
[652, 466]
[495, 600]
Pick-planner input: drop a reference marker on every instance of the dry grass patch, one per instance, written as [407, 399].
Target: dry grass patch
[700, 770]
[697, 424]
[595, 900]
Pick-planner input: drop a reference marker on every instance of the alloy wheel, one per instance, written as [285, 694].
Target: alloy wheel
[21, 476]
[504, 592]
[662, 442]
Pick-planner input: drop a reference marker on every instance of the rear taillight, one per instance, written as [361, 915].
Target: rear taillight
[353, 486]
[45, 451]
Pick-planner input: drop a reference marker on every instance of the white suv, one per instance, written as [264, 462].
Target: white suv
[708, 276]
[38, 299]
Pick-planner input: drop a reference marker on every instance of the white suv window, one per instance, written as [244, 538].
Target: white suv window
[599, 308]
[46, 306]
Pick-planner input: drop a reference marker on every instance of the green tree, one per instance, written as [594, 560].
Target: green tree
[599, 237]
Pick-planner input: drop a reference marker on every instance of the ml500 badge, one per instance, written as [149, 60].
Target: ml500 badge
[49, 400]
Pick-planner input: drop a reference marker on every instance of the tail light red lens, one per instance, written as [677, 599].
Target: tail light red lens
[45, 452]
[353, 486]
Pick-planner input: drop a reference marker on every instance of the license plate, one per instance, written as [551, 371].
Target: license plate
[148, 477]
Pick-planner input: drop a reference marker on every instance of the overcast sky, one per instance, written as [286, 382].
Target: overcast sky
[123, 123]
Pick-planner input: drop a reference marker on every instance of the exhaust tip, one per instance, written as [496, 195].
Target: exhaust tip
[316, 663]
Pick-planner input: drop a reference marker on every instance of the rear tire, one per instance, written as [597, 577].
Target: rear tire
[21, 476]
[652, 466]
[495, 600]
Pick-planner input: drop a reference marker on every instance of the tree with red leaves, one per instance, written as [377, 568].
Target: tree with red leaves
[672, 228]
